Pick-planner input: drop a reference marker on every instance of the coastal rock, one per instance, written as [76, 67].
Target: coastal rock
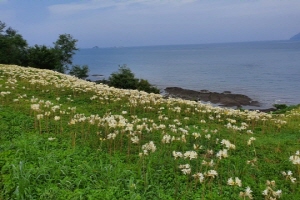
[295, 37]
[226, 98]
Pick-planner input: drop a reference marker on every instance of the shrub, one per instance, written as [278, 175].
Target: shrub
[80, 71]
[144, 85]
[125, 79]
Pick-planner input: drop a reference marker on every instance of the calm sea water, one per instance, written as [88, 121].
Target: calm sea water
[268, 72]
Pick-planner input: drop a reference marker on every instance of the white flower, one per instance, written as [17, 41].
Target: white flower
[208, 136]
[148, 147]
[177, 154]
[186, 169]
[51, 138]
[135, 140]
[56, 118]
[230, 181]
[211, 173]
[166, 139]
[247, 193]
[190, 154]
[199, 176]
[222, 154]
[237, 182]
[250, 141]
[39, 116]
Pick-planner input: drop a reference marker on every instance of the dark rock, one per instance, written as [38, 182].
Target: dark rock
[204, 91]
[226, 98]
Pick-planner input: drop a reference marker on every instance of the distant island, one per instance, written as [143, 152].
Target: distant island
[295, 37]
[95, 47]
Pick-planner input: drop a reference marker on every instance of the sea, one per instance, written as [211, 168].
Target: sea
[266, 71]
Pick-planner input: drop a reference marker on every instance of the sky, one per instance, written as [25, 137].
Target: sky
[109, 23]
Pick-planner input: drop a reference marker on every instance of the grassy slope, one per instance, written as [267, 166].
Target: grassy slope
[83, 163]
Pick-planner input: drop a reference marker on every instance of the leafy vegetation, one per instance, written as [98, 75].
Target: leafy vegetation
[15, 50]
[66, 138]
[125, 79]
[79, 71]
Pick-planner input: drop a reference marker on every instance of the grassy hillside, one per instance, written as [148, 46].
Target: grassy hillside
[65, 138]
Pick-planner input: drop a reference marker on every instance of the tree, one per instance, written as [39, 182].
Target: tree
[80, 71]
[53, 58]
[66, 45]
[124, 78]
[12, 46]
[14, 50]
[43, 57]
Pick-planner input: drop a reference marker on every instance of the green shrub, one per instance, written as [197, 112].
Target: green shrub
[124, 78]
[80, 71]
[144, 85]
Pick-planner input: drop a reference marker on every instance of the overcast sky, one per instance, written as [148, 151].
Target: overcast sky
[107, 23]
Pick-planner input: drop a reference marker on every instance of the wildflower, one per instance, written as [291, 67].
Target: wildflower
[186, 169]
[39, 116]
[35, 107]
[197, 146]
[211, 173]
[222, 154]
[269, 192]
[227, 144]
[237, 182]
[247, 193]
[51, 138]
[199, 176]
[210, 164]
[177, 154]
[111, 136]
[250, 141]
[148, 147]
[166, 139]
[288, 175]
[196, 135]
[190, 154]
[208, 136]
[56, 118]
[135, 140]
[295, 159]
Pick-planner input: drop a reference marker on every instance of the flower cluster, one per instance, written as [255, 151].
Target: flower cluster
[232, 182]
[270, 193]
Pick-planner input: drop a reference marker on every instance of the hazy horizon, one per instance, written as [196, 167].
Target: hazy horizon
[129, 23]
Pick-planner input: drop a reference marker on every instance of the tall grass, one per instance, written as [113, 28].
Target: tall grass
[65, 138]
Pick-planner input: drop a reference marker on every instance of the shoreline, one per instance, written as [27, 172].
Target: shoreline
[224, 99]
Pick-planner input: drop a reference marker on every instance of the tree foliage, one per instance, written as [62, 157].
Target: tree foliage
[124, 78]
[42, 57]
[66, 46]
[79, 71]
[14, 50]
[12, 46]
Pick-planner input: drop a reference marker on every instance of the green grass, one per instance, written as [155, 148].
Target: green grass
[83, 146]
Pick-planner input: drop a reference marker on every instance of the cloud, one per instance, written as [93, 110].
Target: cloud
[74, 8]
[143, 22]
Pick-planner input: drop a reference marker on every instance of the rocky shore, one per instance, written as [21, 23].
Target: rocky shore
[226, 98]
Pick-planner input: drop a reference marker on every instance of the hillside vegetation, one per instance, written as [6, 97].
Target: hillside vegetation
[66, 138]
